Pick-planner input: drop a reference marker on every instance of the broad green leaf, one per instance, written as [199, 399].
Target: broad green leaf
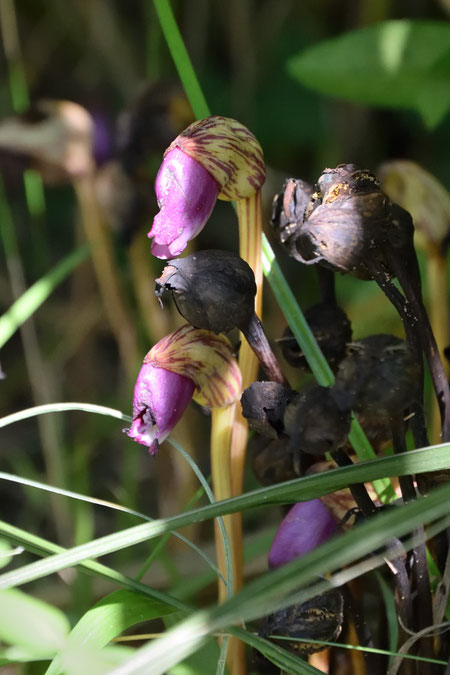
[395, 64]
[108, 619]
[31, 624]
[85, 660]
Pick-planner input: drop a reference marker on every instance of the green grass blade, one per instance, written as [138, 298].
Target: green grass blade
[301, 489]
[181, 58]
[280, 587]
[110, 505]
[37, 294]
[313, 354]
[62, 407]
[42, 547]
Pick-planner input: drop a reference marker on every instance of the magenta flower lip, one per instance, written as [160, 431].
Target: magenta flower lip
[306, 526]
[160, 399]
[186, 194]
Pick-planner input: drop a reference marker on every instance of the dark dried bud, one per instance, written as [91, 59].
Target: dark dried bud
[332, 330]
[213, 290]
[264, 404]
[319, 618]
[288, 210]
[380, 375]
[271, 460]
[318, 421]
[344, 231]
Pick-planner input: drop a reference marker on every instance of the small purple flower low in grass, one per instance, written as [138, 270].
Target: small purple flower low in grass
[160, 399]
[186, 194]
[306, 526]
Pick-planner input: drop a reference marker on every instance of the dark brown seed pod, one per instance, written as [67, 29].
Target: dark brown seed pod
[345, 230]
[332, 330]
[288, 211]
[318, 421]
[319, 618]
[271, 460]
[379, 374]
[264, 405]
[213, 290]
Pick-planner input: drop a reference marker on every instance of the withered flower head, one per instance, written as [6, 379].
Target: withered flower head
[318, 421]
[346, 228]
[264, 405]
[214, 290]
[57, 136]
[332, 330]
[319, 618]
[380, 375]
[288, 211]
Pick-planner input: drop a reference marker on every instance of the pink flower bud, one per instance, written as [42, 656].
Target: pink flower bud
[160, 399]
[186, 194]
[306, 526]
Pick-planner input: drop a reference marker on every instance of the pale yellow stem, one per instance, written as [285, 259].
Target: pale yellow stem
[250, 249]
[250, 242]
[106, 272]
[439, 319]
[221, 426]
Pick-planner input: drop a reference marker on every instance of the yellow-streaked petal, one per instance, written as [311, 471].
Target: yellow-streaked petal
[207, 359]
[228, 151]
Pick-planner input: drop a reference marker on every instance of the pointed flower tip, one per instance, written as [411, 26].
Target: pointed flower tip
[186, 194]
[160, 399]
[306, 526]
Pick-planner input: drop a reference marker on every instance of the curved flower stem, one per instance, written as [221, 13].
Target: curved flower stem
[257, 339]
[249, 213]
[110, 290]
[424, 617]
[221, 429]
[250, 233]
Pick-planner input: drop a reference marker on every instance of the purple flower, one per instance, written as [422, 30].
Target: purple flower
[160, 399]
[306, 526]
[186, 194]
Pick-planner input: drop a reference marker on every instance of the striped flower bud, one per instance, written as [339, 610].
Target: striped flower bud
[216, 157]
[189, 363]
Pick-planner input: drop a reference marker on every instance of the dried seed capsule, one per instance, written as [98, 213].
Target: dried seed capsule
[332, 330]
[318, 421]
[345, 230]
[379, 375]
[264, 405]
[288, 211]
[319, 618]
[213, 290]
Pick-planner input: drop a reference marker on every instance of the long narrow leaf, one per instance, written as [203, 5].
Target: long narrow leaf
[37, 294]
[280, 587]
[417, 461]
